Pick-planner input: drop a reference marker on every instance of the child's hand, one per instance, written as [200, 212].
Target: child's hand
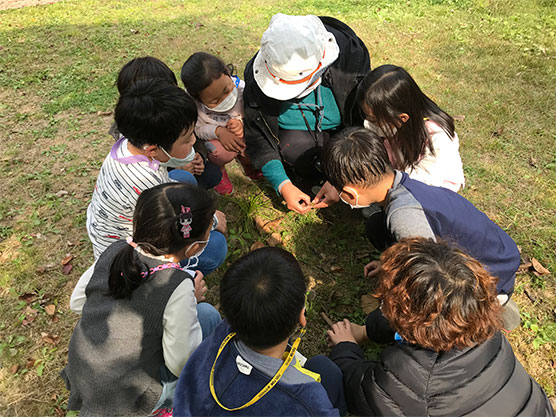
[296, 199]
[196, 167]
[236, 127]
[326, 196]
[198, 164]
[222, 226]
[229, 140]
[341, 332]
[200, 286]
[371, 269]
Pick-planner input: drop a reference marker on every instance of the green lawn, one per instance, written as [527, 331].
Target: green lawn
[493, 63]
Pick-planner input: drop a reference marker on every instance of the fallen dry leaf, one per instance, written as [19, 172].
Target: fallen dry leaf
[524, 267]
[369, 303]
[49, 338]
[336, 268]
[256, 245]
[459, 117]
[14, 369]
[28, 297]
[30, 363]
[66, 269]
[50, 309]
[67, 259]
[61, 193]
[539, 268]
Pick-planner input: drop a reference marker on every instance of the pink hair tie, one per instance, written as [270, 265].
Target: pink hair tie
[131, 243]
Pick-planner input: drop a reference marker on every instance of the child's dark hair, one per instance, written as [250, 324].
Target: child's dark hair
[262, 295]
[390, 91]
[200, 70]
[355, 156]
[154, 112]
[142, 68]
[157, 230]
[436, 296]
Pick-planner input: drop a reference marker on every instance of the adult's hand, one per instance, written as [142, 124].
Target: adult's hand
[296, 199]
[341, 332]
[326, 196]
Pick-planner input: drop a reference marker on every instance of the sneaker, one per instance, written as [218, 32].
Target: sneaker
[225, 186]
[510, 316]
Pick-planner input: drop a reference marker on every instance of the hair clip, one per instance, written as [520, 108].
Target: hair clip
[185, 220]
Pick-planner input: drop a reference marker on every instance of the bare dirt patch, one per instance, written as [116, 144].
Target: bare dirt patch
[18, 4]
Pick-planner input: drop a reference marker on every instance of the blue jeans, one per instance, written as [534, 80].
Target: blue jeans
[210, 177]
[331, 380]
[212, 257]
[209, 318]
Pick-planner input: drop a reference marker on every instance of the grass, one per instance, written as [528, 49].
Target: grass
[490, 61]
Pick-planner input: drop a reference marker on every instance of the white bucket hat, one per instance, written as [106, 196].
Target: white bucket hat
[295, 51]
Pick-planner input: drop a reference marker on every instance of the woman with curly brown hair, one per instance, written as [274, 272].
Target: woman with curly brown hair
[450, 357]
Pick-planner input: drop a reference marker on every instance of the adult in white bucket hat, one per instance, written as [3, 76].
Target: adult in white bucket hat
[299, 90]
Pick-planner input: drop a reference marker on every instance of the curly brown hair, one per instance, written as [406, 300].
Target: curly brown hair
[436, 296]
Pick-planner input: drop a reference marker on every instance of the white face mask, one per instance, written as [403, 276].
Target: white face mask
[380, 132]
[227, 104]
[177, 162]
[356, 205]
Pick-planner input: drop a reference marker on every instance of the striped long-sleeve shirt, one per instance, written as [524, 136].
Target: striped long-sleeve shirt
[122, 178]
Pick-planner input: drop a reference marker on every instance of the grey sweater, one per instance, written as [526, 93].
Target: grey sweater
[115, 352]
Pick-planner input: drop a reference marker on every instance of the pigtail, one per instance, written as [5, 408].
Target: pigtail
[231, 70]
[127, 272]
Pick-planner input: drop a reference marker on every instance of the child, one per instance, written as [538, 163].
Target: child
[246, 364]
[219, 98]
[156, 119]
[196, 169]
[451, 358]
[419, 136]
[140, 317]
[356, 163]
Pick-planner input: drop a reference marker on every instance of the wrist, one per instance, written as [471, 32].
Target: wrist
[282, 184]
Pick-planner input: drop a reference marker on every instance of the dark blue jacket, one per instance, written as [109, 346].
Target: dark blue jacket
[193, 398]
[413, 206]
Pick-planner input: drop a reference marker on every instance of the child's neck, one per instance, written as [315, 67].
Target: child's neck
[276, 351]
[385, 185]
[135, 150]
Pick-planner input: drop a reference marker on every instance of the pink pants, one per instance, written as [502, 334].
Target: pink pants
[220, 156]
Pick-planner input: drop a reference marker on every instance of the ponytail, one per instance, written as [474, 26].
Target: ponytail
[126, 273]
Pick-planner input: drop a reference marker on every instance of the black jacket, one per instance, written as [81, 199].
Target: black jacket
[342, 77]
[486, 380]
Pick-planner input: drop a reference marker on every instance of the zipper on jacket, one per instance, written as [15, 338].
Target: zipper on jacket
[269, 129]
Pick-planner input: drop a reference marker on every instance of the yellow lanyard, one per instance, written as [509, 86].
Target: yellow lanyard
[267, 387]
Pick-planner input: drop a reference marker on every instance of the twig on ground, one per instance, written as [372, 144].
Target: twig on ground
[327, 319]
